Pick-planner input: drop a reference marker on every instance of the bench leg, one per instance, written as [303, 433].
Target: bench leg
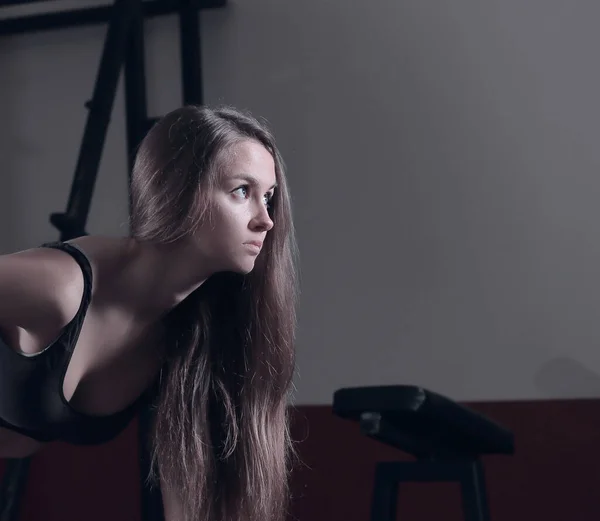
[385, 495]
[389, 475]
[474, 497]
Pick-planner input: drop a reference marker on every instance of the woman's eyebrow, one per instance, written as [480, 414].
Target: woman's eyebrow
[251, 180]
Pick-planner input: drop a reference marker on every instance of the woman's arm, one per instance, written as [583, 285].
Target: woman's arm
[39, 288]
[171, 505]
[39, 291]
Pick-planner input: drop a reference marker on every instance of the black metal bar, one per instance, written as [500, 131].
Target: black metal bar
[136, 111]
[469, 473]
[72, 223]
[474, 494]
[191, 52]
[150, 123]
[384, 502]
[12, 488]
[4, 3]
[89, 16]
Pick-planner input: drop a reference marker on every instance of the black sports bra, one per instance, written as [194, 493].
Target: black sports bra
[31, 387]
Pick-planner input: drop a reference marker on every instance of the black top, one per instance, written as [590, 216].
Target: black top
[31, 387]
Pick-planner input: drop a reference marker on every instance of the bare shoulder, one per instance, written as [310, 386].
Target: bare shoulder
[39, 286]
[101, 251]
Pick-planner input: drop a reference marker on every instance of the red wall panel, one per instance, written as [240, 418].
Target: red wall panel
[554, 476]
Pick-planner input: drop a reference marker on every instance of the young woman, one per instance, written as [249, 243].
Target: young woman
[194, 310]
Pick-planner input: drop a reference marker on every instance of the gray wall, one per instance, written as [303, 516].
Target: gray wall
[444, 165]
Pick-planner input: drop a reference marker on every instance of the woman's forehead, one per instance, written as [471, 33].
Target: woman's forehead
[249, 161]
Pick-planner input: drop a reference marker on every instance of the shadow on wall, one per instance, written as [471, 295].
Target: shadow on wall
[567, 378]
[11, 146]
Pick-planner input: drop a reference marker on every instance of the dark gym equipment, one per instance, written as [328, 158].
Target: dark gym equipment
[11, 490]
[446, 439]
[123, 49]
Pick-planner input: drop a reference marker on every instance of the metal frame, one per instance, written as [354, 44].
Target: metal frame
[470, 475]
[123, 49]
[89, 15]
[71, 223]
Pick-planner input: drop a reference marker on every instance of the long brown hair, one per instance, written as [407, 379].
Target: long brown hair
[221, 435]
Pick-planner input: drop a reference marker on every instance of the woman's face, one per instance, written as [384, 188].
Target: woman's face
[232, 238]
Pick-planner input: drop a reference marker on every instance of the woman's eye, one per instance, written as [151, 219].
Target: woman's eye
[241, 191]
[244, 193]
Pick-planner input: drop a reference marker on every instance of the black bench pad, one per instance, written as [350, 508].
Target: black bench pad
[421, 422]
